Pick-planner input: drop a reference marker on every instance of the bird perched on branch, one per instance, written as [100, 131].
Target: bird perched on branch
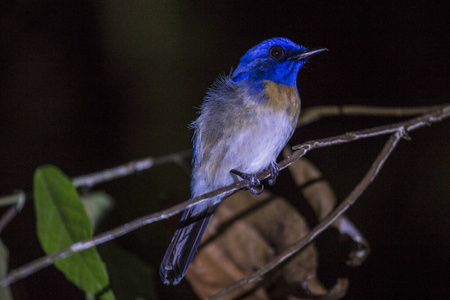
[245, 121]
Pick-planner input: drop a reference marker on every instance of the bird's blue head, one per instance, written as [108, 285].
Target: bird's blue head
[276, 59]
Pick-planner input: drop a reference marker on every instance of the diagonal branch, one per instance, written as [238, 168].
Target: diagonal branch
[325, 223]
[300, 150]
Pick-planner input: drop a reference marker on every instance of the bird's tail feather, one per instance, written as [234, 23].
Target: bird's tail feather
[183, 246]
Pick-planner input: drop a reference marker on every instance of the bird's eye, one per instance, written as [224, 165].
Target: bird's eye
[276, 52]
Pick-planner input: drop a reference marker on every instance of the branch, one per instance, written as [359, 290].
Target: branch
[315, 113]
[130, 168]
[300, 150]
[19, 200]
[324, 224]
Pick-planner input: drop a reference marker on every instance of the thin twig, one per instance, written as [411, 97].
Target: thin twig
[315, 113]
[13, 210]
[130, 168]
[300, 150]
[325, 223]
[9, 200]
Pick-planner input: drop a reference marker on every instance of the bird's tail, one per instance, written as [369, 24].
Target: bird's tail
[184, 244]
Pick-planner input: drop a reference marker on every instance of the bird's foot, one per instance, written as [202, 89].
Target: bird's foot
[275, 171]
[253, 182]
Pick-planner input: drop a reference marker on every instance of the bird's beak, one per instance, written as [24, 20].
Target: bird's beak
[307, 54]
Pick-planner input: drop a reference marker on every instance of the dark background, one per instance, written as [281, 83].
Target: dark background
[87, 85]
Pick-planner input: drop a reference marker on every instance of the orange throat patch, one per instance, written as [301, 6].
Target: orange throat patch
[282, 98]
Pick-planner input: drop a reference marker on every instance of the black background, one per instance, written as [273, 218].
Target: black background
[89, 85]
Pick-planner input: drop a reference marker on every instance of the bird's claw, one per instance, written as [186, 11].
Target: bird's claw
[275, 171]
[253, 182]
[255, 191]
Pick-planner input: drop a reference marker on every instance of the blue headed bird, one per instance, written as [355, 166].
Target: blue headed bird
[245, 121]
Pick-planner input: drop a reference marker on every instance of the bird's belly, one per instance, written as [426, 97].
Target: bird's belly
[257, 146]
[250, 150]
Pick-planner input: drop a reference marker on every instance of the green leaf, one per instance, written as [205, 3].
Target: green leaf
[61, 222]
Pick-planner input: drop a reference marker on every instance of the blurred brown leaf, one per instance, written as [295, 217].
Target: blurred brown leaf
[248, 231]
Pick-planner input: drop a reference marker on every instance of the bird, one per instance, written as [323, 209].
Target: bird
[245, 120]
